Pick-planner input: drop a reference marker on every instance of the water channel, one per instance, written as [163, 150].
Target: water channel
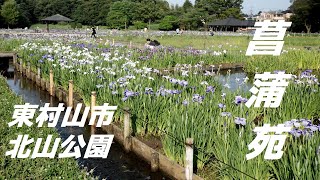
[119, 164]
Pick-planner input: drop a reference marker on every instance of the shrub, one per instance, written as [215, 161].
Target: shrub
[139, 24]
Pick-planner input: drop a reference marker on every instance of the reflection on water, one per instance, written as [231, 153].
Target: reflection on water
[234, 80]
[118, 165]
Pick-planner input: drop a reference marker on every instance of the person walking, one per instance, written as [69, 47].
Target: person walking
[93, 32]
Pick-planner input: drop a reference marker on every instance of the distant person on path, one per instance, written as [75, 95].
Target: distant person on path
[93, 32]
[152, 44]
[178, 31]
[211, 32]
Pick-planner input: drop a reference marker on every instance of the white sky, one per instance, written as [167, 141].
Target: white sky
[256, 5]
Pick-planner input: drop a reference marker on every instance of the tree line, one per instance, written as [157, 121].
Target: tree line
[121, 14]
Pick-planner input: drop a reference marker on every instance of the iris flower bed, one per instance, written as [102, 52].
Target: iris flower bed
[190, 103]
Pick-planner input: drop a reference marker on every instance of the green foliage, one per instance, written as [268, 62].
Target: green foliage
[103, 12]
[75, 25]
[121, 14]
[187, 5]
[139, 24]
[92, 12]
[153, 26]
[168, 23]
[306, 16]
[218, 8]
[151, 10]
[62, 23]
[192, 19]
[116, 20]
[10, 12]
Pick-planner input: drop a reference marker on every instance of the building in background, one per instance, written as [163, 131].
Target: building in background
[274, 16]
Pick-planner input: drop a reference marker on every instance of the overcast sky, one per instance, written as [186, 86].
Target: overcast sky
[256, 5]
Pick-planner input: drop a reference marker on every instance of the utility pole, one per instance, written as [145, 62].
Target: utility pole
[251, 12]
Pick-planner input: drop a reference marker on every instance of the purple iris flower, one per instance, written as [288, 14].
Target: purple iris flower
[288, 124]
[238, 100]
[128, 94]
[210, 89]
[161, 91]
[305, 122]
[296, 132]
[197, 98]
[185, 102]
[174, 81]
[100, 76]
[148, 91]
[183, 83]
[225, 114]
[175, 91]
[220, 105]
[240, 121]
[312, 127]
[112, 85]
[306, 72]
[278, 71]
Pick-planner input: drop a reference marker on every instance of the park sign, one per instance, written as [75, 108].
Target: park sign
[97, 147]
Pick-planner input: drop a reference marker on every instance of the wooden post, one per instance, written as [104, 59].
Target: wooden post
[39, 73]
[70, 97]
[130, 44]
[112, 42]
[93, 103]
[51, 83]
[15, 60]
[189, 159]
[21, 66]
[38, 78]
[154, 162]
[126, 132]
[28, 70]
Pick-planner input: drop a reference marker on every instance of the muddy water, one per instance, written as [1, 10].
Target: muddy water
[118, 165]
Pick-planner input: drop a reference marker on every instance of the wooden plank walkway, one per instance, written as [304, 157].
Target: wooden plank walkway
[7, 54]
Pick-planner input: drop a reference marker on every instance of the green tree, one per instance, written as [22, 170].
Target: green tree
[234, 12]
[168, 23]
[192, 19]
[306, 16]
[187, 5]
[150, 11]
[92, 12]
[116, 20]
[10, 12]
[219, 8]
[126, 9]
[45, 8]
